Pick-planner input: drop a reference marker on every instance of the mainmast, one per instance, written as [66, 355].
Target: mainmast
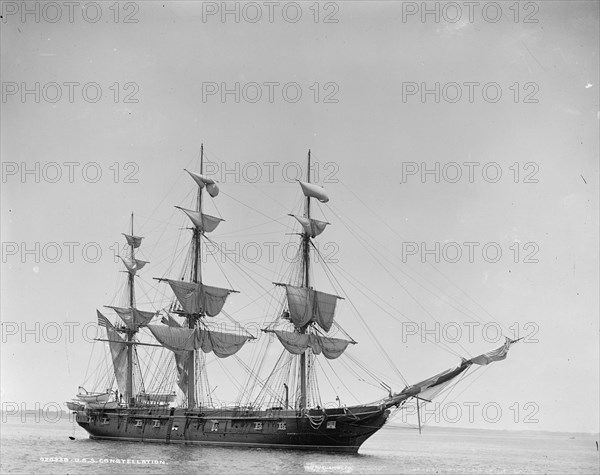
[196, 278]
[196, 300]
[306, 264]
[129, 397]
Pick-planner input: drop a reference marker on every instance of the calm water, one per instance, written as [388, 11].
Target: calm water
[25, 445]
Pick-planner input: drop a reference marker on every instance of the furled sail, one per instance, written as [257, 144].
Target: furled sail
[300, 304]
[182, 358]
[298, 343]
[495, 355]
[314, 191]
[307, 305]
[188, 339]
[332, 348]
[295, 343]
[213, 189]
[222, 344]
[312, 227]
[199, 298]
[133, 317]
[204, 222]
[133, 265]
[431, 387]
[118, 352]
[202, 181]
[441, 378]
[134, 241]
[176, 338]
[324, 309]
[432, 392]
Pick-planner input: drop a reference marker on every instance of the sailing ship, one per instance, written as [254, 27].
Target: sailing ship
[303, 327]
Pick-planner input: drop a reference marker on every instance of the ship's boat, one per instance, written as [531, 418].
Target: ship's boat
[74, 406]
[97, 398]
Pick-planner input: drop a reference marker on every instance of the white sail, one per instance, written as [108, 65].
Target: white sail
[118, 351]
[199, 298]
[307, 305]
[176, 338]
[204, 222]
[139, 264]
[187, 339]
[133, 317]
[300, 304]
[134, 241]
[332, 348]
[222, 344]
[133, 265]
[213, 189]
[297, 343]
[429, 393]
[314, 191]
[181, 358]
[202, 181]
[312, 227]
[495, 355]
[324, 309]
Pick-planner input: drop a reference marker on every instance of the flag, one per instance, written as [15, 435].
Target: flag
[103, 321]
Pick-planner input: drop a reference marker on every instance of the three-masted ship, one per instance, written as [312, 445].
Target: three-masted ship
[302, 327]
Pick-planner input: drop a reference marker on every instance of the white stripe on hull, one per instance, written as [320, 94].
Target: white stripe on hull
[320, 448]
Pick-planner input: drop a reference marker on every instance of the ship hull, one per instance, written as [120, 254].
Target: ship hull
[331, 430]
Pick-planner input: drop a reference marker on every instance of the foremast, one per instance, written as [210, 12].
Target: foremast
[306, 268]
[309, 310]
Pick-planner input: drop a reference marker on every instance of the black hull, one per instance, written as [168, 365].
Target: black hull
[331, 430]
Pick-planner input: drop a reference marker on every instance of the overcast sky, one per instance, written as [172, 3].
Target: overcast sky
[118, 107]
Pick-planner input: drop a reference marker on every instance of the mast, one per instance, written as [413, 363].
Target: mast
[129, 397]
[197, 300]
[196, 278]
[306, 264]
